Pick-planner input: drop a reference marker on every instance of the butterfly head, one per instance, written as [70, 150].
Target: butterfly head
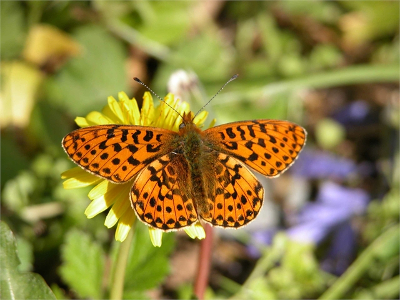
[187, 119]
[188, 124]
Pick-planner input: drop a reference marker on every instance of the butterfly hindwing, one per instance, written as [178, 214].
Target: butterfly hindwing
[238, 195]
[160, 194]
[267, 146]
[116, 152]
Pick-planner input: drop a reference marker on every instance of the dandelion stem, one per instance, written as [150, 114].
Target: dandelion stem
[117, 287]
[203, 268]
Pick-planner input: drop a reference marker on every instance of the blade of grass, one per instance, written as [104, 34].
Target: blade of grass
[360, 265]
[360, 74]
[132, 36]
[350, 75]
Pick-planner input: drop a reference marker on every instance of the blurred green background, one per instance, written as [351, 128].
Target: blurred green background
[332, 67]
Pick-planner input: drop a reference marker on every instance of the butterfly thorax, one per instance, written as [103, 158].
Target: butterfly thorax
[199, 160]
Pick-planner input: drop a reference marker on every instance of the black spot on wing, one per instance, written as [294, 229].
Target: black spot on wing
[230, 133]
[148, 136]
[242, 133]
[251, 130]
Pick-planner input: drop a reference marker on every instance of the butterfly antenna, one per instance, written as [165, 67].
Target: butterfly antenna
[139, 81]
[232, 78]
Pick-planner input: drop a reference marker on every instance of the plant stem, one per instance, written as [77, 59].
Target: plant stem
[350, 75]
[360, 265]
[360, 74]
[117, 287]
[133, 36]
[266, 262]
[203, 268]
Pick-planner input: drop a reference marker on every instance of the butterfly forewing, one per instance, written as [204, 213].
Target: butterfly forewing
[160, 194]
[116, 152]
[267, 146]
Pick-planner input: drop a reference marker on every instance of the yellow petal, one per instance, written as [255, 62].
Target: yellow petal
[132, 112]
[171, 121]
[97, 118]
[78, 178]
[111, 219]
[184, 107]
[130, 109]
[124, 225]
[81, 122]
[155, 236]
[148, 111]
[45, 42]
[122, 232]
[103, 196]
[113, 111]
[96, 206]
[122, 96]
[77, 171]
[200, 118]
[100, 189]
[121, 204]
[212, 123]
[196, 231]
[160, 115]
[20, 84]
[167, 117]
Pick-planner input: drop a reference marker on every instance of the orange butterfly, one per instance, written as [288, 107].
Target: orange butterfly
[179, 177]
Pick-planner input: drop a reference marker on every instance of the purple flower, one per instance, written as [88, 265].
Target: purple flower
[353, 113]
[315, 164]
[261, 237]
[341, 251]
[334, 206]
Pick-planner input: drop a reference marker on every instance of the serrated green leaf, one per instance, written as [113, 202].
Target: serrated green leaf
[13, 284]
[83, 264]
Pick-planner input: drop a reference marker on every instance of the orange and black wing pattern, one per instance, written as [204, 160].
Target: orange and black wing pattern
[267, 146]
[237, 196]
[116, 152]
[161, 196]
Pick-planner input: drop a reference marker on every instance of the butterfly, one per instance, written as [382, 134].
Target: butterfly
[181, 177]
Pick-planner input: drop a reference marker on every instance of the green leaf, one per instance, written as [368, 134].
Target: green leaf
[147, 265]
[13, 160]
[363, 262]
[18, 192]
[13, 284]
[86, 81]
[164, 21]
[48, 125]
[83, 265]
[25, 253]
[13, 30]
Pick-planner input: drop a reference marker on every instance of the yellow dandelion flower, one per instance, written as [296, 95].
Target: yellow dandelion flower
[114, 196]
